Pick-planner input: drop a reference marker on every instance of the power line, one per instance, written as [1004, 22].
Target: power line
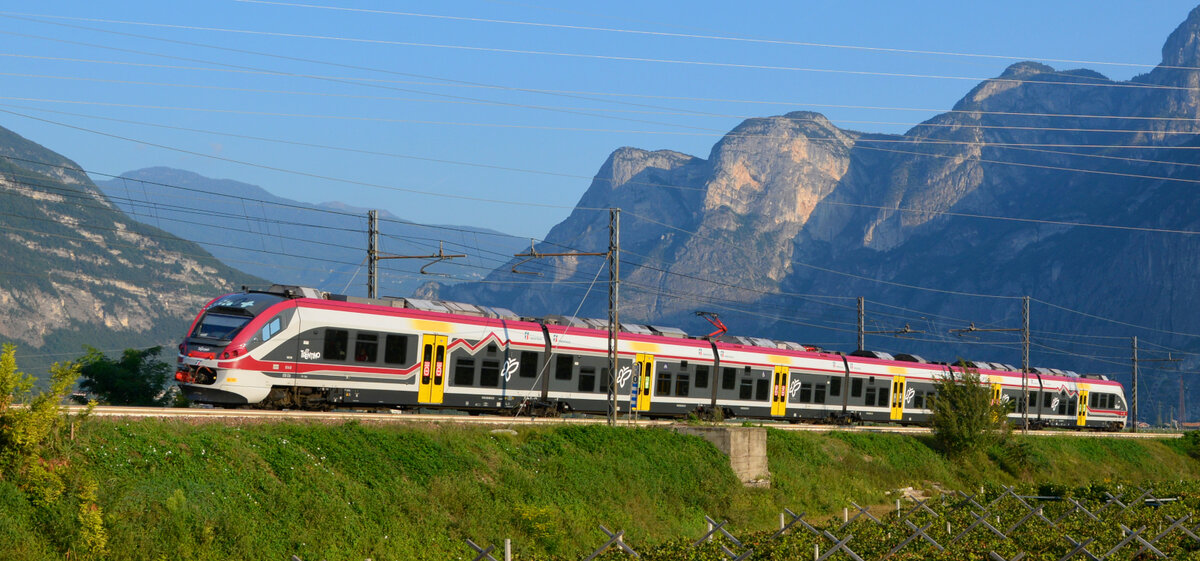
[731, 38]
[588, 56]
[589, 111]
[299, 173]
[1113, 321]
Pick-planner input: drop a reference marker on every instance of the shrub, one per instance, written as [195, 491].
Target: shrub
[965, 418]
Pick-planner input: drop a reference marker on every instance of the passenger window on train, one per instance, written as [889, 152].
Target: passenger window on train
[489, 373]
[587, 379]
[762, 389]
[395, 349]
[805, 393]
[819, 393]
[681, 384]
[918, 400]
[728, 379]
[856, 387]
[464, 372]
[701, 376]
[366, 347]
[529, 364]
[491, 348]
[870, 397]
[835, 387]
[664, 383]
[746, 389]
[883, 397]
[563, 366]
[336, 343]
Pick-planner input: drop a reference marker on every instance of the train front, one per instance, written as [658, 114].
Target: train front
[213, 358]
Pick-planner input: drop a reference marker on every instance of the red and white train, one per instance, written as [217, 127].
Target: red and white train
[294, 347]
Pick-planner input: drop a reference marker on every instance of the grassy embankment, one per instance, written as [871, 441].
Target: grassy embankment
[173, 490]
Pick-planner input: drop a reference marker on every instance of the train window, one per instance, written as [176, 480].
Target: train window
[918, 400]
[605, 381]
[681, 384]
[871, 381]
[1047, 399]
[870, 397]
[489, 373]
[587, 379]
[701, 376]
[805, 393]
[464, 372]
[664, 383]
[562, 367]
[271, 328]
[395, 349]
[336, 343]
[819, 393]
[835, 387]
[762, 389]
[728, 379]
[366, 347]
[883, 397]
[746, 390]
[491, 350]
[683, 364]
[529, 364]
[856, 387]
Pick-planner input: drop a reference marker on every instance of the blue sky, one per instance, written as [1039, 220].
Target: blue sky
[443, 104]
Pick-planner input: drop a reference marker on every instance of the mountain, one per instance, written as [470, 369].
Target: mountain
[75, 270]
[789, 215]
[290, 242]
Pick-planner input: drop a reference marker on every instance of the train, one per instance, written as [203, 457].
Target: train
[292, 347]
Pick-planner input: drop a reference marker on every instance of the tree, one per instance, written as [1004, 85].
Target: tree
[965, 417]
[137, 378]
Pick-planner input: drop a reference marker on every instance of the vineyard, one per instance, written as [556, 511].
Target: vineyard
[999, 523]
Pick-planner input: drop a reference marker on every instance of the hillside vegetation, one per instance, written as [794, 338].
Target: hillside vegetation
[268, 491]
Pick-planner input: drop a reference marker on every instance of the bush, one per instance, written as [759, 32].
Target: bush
[965, 418]
[137, 378]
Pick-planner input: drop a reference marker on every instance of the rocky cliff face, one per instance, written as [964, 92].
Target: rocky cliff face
[74, 270]
[782, 200]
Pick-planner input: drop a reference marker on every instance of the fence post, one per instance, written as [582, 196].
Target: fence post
[507, 549]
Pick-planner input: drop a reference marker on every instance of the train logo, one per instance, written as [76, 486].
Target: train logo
[795, 387]
[309, 355]
[909, 395]
[510, 367]
[623, 376]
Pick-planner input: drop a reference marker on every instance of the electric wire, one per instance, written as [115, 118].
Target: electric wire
[589, 56]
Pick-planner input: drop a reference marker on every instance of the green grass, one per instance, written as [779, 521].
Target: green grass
[173, 490]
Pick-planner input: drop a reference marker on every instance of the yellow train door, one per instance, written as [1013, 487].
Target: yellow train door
[779, 393]
[433, 369]
[1082, 409]
[645, 379]
[898, 389]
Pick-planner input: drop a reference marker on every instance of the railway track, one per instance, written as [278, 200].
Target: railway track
[242, 415]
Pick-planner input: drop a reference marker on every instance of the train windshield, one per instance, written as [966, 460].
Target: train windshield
[220, 326]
